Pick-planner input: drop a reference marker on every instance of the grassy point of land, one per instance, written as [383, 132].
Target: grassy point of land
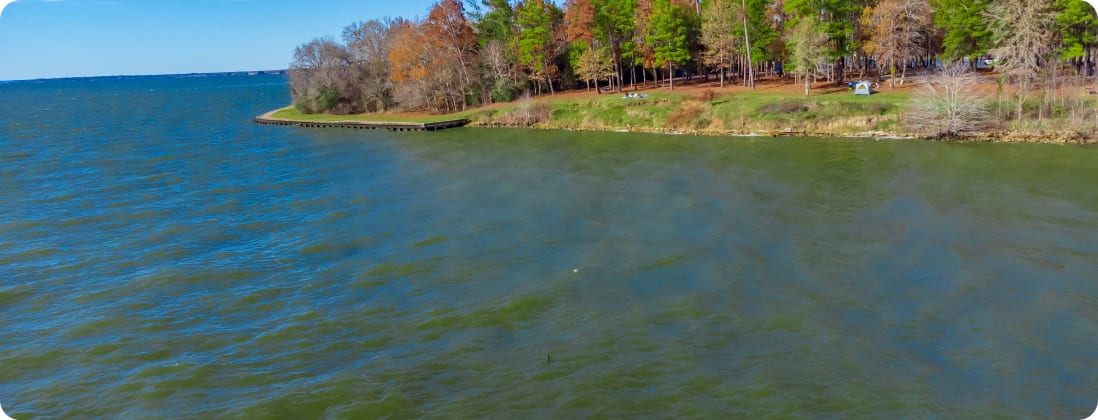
[291, 113]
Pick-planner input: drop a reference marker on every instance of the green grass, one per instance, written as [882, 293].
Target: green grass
[291, 113]
[827, 112]
[838, 112]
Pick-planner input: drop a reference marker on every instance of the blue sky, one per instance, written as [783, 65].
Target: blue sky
[64, 38]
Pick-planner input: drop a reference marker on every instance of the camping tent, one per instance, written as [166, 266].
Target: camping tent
[863, 88]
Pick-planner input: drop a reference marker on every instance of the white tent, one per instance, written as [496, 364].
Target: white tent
[863, 88]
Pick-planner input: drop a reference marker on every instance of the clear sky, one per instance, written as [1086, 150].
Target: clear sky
[64, 38]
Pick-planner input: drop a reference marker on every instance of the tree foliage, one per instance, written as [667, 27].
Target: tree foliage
[1022, 41]
[615, 28]
[369, 44]
[579, 21]
[805, 42]
[1075, 23]
[966, 31]
[760, 28]
[594, 64]
[834, 18]
[322, 78]
[719, 22]
[537, 22]
[668, 35]
[896, 31]
[495, 23]
[484, 51]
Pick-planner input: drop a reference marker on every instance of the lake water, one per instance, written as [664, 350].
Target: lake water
[161, 256]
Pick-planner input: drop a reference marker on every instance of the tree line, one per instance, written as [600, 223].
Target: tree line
[485, 51]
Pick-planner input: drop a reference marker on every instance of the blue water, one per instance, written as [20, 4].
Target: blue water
[161, 256]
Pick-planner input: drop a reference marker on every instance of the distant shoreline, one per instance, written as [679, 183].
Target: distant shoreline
[151, 76]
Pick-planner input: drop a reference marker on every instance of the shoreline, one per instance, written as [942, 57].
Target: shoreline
[481, 118]
[1014, 137]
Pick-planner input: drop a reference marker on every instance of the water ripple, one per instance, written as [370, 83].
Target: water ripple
[162, 257]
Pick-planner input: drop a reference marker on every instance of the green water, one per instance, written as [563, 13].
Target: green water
[163, 257]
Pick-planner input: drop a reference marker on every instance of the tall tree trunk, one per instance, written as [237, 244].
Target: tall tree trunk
[670, 75]
[722, 72]
[999, 99]
[892, 74]
[1021, 99]
[747, 46]
[903, 72]
[620, 73]
[633, 67]
[744, 69]
[840, 70]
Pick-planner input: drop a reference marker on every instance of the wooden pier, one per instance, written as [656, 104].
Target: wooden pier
[365, 125]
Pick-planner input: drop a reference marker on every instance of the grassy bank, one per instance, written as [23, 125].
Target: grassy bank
[707, 111]
[838, 114]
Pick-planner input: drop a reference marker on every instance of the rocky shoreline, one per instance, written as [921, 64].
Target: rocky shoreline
[1062, 137]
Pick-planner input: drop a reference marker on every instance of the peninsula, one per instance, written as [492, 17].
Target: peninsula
[940, 69]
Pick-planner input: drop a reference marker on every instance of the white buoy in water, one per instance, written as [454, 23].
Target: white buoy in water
[574, 270]
[4, 416]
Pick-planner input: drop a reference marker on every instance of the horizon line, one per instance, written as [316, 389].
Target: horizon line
[107, 76]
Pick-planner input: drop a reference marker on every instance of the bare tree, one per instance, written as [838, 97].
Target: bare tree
[949, 103]
[369, 43]
[896, 29]
[322, 78]
[499, 74]
[1022, 33]
[718, 24]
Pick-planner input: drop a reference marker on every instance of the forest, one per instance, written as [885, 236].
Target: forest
[464, 55]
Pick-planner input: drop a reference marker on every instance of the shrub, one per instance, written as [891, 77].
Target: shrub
[685, 116]
[949, 103]
[527, 114]
[327, 99]
[786, 107]
[505, 91]
[880, 108]
[707, 95]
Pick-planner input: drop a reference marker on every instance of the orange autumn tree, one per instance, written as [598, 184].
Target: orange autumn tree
[454, 40]
[410, 62]
[579, 21]
[578, 27]
[431, 60]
